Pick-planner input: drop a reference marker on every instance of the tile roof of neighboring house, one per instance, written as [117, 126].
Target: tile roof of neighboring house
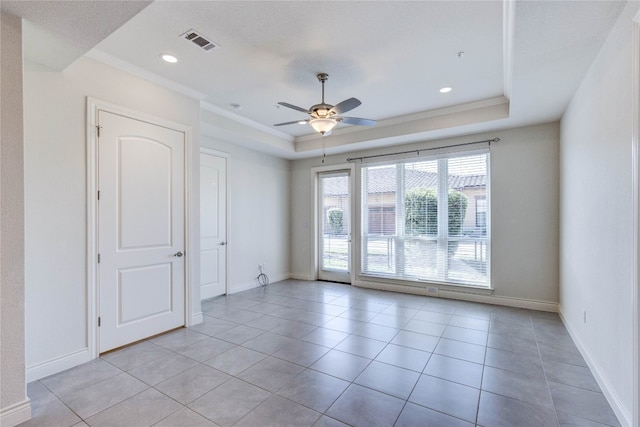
[383, 180]
[465, 181]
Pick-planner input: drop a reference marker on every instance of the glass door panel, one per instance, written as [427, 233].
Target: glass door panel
[334, 223]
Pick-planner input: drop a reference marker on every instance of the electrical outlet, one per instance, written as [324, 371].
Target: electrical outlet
[260, 266]
[432, 291]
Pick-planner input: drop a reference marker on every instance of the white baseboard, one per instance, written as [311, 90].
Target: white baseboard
[210, 291]
[623, 413]
[196, 318]
[504, 301]
[463, 294]
[239, 287]
[301, 276]
[15, 414]
[50, 367]
[279, 277]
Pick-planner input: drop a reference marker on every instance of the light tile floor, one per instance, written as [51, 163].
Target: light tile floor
[324, 354]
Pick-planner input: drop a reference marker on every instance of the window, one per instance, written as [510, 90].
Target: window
[426, 219]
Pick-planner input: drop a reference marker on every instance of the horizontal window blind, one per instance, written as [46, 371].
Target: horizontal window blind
[427, 219]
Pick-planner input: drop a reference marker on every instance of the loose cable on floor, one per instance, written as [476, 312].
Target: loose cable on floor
[263, 279]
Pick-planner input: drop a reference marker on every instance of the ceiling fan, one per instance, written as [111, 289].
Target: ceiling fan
[324, 117]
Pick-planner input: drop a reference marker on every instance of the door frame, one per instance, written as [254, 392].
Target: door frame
[93, 303]
[315, 174]
[635, 171]
[226, 157]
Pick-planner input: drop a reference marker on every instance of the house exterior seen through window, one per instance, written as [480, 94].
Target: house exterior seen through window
[427, 219]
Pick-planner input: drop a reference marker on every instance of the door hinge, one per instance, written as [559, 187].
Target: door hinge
[98, 194]
[98, 258]
[98, 127]
[99, 321]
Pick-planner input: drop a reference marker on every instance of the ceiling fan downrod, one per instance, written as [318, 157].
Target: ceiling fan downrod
[322, 77]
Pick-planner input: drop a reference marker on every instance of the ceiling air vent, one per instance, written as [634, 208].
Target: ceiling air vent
[199, 40]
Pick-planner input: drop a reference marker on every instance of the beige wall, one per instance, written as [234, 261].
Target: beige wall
[14, 406]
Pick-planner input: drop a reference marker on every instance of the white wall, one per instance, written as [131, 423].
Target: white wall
[596, 242]
[524, 214]
[14, 405]
[258, 194]
[55, 198]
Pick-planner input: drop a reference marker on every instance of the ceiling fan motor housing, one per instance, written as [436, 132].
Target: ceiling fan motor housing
[322, 111]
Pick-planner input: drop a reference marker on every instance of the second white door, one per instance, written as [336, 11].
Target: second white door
[213, 225]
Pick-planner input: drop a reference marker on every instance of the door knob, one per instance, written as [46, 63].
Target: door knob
[178, 254]
[222, 243]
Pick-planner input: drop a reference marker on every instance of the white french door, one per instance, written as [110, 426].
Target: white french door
[334, 226]
[213, 225]
[141, 229]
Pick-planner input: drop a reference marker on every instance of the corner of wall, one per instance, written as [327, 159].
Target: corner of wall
[15, 405]
[15, 414]
[623, 413]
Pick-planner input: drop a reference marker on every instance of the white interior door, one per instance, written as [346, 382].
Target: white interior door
[334, 226]
[141, 270]
[213, 225]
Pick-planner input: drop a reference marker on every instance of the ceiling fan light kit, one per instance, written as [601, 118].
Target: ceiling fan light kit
[324, 117]
[323, 126]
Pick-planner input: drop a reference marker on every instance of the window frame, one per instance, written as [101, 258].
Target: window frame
[397, 240]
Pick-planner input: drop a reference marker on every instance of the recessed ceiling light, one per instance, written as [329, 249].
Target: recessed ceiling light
[446, 89]
[166, 57]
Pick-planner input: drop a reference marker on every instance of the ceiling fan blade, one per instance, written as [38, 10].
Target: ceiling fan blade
[293, 107]
[344, 106]
[356, 121]
[292, 123]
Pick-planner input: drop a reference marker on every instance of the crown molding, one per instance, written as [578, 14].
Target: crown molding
[207, 106]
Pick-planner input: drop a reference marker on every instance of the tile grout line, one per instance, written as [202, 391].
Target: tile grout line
[544, 370]
[484, 364]
[306, 300]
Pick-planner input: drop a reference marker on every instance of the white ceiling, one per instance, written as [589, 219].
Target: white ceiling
[522, 60]
[58, 32]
